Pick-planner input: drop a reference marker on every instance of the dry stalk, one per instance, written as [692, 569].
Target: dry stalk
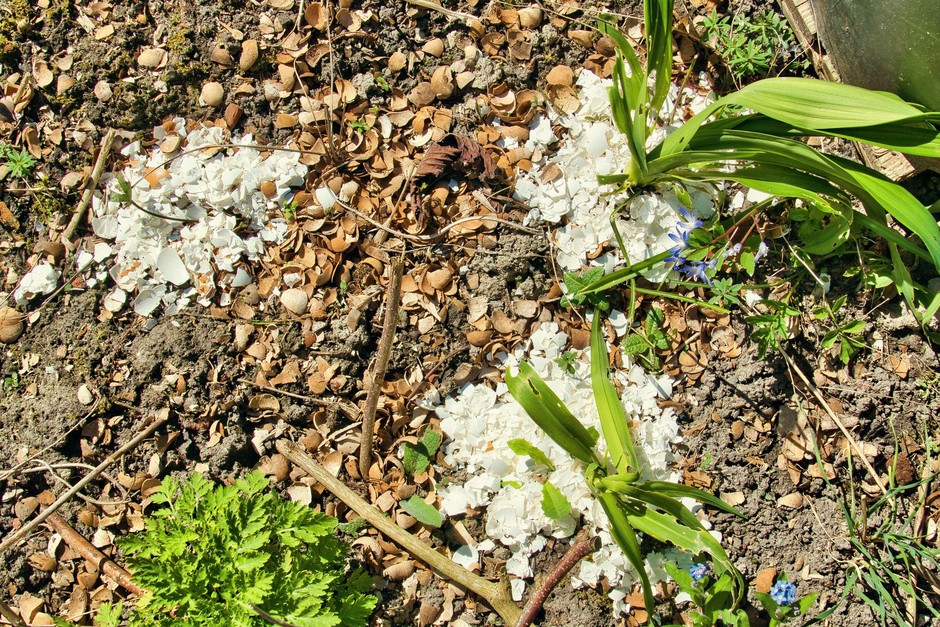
[381, 365]
[350, 410]
[28, 528]
[10, 616]
[582, 546]
[99, 560]
[96, 172]
[497, 595]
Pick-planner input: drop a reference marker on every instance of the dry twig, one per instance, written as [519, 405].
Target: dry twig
[497, 595]
[99, 560]
[90, 187]
[28, 528]
[10, 616]
[381, 365]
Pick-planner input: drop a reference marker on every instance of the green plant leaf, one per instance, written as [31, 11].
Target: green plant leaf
[554, 503]
[549, 413]
[613, 419]
[422, 512]
[520, 446]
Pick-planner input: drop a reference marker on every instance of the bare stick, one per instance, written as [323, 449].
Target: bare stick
[434, 6]
[99, 560]
[497, 595]
[91, 186]
[10, 616]
[28, 528]
[582, 546]
[380, 366]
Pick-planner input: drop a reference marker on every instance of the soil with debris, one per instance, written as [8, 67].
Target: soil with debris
[82, 379]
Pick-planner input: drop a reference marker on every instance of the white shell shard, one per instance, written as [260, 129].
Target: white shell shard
[39, 281]
[172, 267]
[325, 197]
[114, 302]
[295, 300]
[208, 193]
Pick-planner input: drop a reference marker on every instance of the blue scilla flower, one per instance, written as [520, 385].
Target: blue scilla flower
[698, 571]
[689, 222]
[783, 592]
[696, 270]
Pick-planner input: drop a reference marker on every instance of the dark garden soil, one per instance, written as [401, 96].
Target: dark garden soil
[80, 381]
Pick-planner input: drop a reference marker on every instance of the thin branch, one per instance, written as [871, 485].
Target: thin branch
[380, 366]
[28, 528]
[90, 187]
[584, 545]
[99, 560]
[497, 595]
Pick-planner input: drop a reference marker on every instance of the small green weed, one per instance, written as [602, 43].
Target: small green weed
[892, 555]
[566, 361]
[238, 555]
[19, 162]
[576, 283]
[645, 341]
[417, 457]
[751, 45]
[842, 330]
[772, 327]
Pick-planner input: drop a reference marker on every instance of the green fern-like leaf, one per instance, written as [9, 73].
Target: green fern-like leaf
[238, 555]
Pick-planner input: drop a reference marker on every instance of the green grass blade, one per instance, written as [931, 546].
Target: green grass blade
[550, 413]
[614, 423]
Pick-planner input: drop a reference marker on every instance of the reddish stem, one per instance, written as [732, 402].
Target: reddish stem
[584, 545]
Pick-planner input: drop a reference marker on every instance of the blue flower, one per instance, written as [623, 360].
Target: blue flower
[783, 592]
[698, 571]
[735, 250]
[689, 223]
[696, 270]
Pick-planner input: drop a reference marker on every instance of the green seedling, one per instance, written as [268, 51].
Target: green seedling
[645, 342]
[566, 361]
[631, 503]
[773, 327]
[19, 162]
[575, 284]
[843, 331]
[751, 46]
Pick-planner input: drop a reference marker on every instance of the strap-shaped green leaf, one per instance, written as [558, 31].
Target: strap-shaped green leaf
[550, 413]
[657, 16]
[625, 537]
[609, 408]
[684, 491]
[816, 104]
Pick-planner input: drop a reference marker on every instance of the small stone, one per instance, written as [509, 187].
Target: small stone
[85, 397]
[212, 94]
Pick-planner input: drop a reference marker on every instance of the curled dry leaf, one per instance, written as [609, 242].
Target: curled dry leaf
[530, 17]
[442, 82]
[560, 75]
[583, 38]
[794, 500]
[221, 55]
[316, 16]
[43, 74]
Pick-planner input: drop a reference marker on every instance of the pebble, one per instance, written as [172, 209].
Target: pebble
[212, 94]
